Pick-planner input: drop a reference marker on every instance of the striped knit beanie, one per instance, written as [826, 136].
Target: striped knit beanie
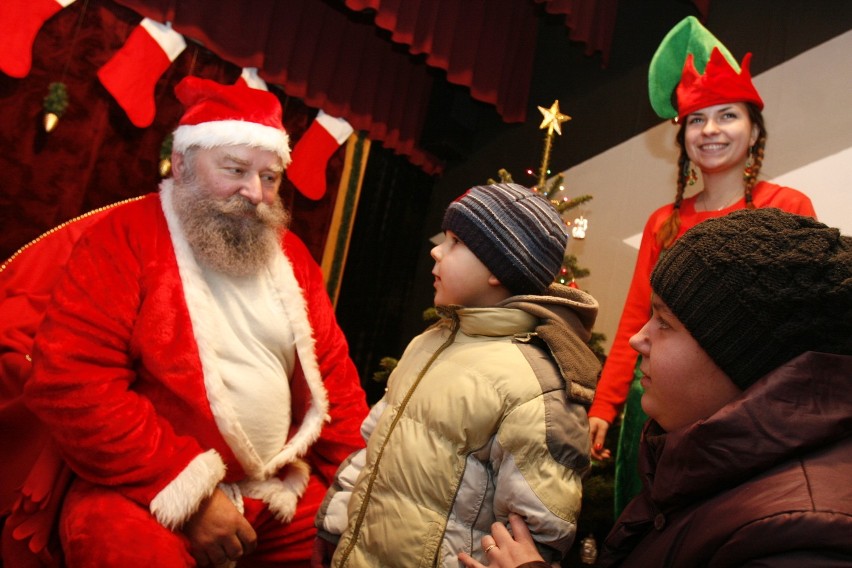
[516, 233]
[758, 287]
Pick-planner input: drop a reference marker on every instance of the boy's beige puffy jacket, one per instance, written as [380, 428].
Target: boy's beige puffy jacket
[476, 422]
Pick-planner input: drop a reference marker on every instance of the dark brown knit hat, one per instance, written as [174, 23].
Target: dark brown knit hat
[758, 287]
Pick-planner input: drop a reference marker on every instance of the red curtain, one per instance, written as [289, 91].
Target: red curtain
[371, 61]
[591, 22]
[322, 54]
[95, 156]
[486, 46]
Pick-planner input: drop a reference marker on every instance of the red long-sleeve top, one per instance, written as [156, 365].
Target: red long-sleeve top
[618, 371]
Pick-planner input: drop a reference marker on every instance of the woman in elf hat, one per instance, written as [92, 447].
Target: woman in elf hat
[694, 80]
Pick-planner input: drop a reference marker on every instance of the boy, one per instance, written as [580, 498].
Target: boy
[485, 414]
[747, 359]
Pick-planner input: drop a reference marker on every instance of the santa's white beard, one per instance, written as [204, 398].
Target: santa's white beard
[230, 235]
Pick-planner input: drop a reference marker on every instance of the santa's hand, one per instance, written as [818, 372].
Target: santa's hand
[218, 533]
[502, 549]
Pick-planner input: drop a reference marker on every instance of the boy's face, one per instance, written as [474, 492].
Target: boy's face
[682, 383]
[460, 277]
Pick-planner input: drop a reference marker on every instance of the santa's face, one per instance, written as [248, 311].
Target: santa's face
[225, 171]
[227, 201]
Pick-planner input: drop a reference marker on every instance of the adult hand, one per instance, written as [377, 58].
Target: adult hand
[502, 549]
[323, 551]
[597, 432]
[218, 533]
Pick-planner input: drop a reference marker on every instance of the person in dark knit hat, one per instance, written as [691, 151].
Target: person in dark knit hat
[747, 358]
[485, 414]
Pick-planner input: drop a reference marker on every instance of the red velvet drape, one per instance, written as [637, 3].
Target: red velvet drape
[95, 156]
[591, 22]
[320, 53]
[486, 46]
[369, 61]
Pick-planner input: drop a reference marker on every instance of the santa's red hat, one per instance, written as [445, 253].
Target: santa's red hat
[229, 115]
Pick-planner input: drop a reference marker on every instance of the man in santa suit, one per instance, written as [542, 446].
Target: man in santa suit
[189, 367]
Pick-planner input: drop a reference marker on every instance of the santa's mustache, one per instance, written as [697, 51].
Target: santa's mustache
[239, 206]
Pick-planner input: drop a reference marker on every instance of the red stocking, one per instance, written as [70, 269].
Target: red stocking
[312, 151]
[132, 73]
[250, 77]
[20, 21]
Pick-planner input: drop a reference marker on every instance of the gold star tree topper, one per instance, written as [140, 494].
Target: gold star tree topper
[553, 119]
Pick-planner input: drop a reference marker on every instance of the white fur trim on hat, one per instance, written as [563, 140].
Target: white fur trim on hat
[233, 133]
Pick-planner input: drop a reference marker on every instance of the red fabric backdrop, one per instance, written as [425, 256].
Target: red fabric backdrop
[372, 62]
[342, 61]
[95, 156]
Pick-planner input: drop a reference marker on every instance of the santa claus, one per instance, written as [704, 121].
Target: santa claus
[189, 367]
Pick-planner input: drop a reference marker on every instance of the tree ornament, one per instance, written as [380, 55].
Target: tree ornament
[589, 550]
[552, 120]
[55, 104]
[166, 156]
[581, 225]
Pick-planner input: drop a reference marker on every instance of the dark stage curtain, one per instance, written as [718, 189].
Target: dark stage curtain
[377, 284]
[486, 46]
[590, 22]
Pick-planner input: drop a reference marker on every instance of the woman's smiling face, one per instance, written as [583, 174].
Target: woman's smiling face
[718, 137]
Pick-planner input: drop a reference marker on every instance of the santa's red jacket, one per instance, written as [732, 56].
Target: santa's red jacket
[124, 375]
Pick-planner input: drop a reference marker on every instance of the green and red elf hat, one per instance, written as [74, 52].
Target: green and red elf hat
[692, 69]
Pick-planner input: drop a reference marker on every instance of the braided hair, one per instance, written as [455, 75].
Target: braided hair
[757, 152]
[669, 229]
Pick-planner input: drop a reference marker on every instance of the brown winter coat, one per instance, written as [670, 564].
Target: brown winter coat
[766, 481]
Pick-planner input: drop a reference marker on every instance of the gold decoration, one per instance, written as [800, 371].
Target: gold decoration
[50, 121]
[55, 104]
[166, 155]
[165, 167]
[552, 120]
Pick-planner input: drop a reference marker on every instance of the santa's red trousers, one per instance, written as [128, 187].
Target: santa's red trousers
[101, 528]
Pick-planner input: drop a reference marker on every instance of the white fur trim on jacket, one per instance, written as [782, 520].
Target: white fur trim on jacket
[199, 300]
[281, 495]
[180, 499]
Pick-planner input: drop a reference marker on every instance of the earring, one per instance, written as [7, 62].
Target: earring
[748, 172]
[689, 175]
